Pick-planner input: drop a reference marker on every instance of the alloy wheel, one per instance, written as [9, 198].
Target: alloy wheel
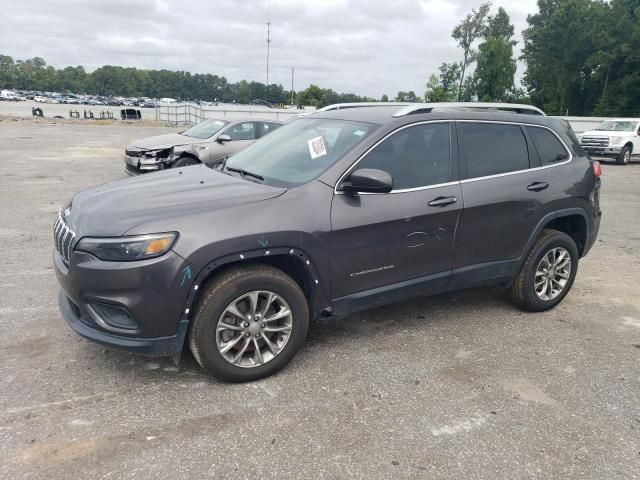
[254, 329]
[552, 273]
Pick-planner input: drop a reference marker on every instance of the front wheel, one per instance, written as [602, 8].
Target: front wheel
[185, 162]
[249, 324]
[625, 156]
[547, 274]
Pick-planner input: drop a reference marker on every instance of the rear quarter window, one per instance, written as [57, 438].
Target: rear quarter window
[550, 149]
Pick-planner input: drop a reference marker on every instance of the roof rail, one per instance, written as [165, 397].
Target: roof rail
[341, 106]
[501, 107]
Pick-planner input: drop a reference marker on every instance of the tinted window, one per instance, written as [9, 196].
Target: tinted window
[549, 148]
[415, 157]
[242, 131]
[268, 127]
[490, 149]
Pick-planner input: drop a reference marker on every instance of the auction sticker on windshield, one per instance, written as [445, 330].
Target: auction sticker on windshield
[316, 147]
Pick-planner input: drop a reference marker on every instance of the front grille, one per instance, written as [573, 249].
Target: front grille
[63, 238]
[595, 141]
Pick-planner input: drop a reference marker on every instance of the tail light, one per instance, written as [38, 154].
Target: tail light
[597, 169]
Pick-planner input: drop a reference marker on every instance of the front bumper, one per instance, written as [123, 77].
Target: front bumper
[153, 347]
[603, 151]
[136, 165]
[153, 293]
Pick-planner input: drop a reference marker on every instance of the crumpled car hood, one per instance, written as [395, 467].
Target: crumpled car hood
[114, 208]
[164, 141]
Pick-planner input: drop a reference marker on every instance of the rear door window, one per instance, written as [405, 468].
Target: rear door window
[491, 149]
[549, 148]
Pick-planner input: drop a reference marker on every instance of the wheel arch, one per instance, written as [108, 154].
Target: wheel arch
[572, 221]
[186, 154]
[630, 145]
[293, 261]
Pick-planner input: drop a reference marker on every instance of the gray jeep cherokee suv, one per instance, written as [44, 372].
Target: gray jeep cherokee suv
[332, 213]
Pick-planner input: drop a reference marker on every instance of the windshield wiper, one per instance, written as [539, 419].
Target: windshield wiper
[245, 173]
[220, 164]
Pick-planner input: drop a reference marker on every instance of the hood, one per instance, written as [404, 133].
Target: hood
[114, 208]
[164, 141]
[605, 133]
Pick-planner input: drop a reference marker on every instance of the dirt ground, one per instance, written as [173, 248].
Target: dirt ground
[459, 386]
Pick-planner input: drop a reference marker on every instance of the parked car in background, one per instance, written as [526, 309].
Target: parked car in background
[207, 142]
[9, 95]
[618, 138]
[332, 213]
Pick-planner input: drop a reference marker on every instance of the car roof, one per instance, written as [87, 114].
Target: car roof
[387, 114]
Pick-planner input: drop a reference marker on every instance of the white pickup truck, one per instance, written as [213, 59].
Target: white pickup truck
[617, 138]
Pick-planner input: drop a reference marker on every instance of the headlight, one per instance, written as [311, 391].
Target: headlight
[616, 140]
[126, 249]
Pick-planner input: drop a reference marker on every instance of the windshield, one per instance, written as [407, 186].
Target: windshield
[299, 151]
[617, 126]
[205, 129]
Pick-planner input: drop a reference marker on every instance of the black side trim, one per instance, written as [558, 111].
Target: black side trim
[395, 292]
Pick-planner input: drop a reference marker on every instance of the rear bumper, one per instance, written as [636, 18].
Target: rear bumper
[154, 347]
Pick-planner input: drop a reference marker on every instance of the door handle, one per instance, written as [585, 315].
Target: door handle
[538, 186]
[442, 201]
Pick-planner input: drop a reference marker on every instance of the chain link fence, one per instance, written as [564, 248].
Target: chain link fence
[191, 113]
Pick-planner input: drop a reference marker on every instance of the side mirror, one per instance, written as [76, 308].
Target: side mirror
[223, 138]
[368, 180]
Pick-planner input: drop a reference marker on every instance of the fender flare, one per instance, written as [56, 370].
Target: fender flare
[543, 222]
[319, 300]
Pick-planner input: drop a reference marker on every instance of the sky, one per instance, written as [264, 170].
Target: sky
[368, 47]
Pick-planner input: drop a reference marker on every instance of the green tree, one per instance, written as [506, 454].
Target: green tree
[384, 98]
[466, 33]
[435, 90]
[7, 71]
[495, 65]
[495, 70]
[499, 26]
[559, 44]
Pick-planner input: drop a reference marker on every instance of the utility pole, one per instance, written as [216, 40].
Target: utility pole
[292, 70]
[268, 37]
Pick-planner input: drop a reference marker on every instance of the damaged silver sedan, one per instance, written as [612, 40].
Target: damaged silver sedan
[208, 142]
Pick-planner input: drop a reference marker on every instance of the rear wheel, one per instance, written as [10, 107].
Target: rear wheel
[250, 323]
[625, 156]
[548, 272]
[185, 162]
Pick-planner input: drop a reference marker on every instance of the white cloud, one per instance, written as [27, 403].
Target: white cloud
[363, 46]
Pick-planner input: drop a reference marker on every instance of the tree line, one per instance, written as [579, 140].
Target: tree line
[35, 75]
[581, 57]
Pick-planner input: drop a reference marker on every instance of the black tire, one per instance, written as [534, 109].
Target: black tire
[37, 112]
[220, 293]
[625, 156]
[522, 291]
[185, 162]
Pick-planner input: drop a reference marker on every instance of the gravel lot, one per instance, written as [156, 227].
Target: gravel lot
[459, 386]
